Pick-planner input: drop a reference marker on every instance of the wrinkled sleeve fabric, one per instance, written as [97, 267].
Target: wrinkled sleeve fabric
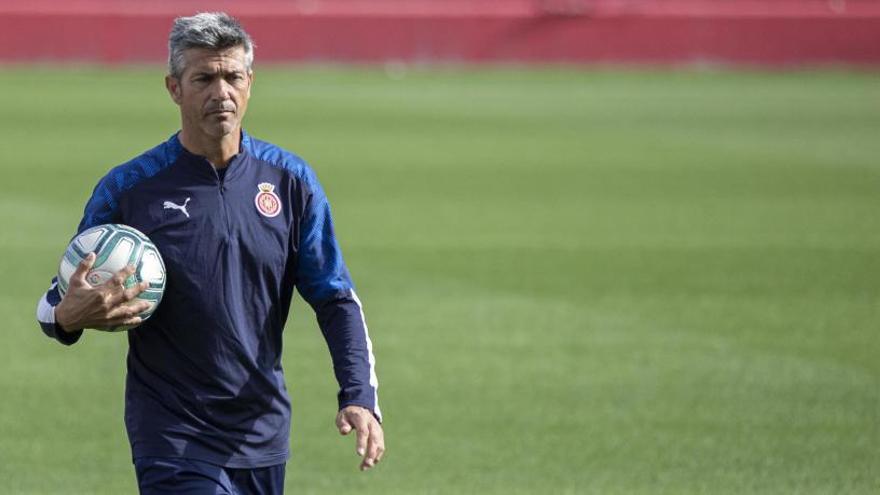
[99, 210]
[324, 282]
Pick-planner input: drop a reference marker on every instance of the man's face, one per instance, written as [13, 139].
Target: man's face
[212, 92]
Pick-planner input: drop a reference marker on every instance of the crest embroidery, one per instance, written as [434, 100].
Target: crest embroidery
[268, 203]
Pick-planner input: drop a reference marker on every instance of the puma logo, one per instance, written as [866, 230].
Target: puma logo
[168, 205]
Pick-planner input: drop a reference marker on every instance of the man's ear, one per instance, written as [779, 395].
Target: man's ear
[172, 84]
[251, 83]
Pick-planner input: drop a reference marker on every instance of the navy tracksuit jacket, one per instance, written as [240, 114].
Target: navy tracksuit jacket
[204, 372]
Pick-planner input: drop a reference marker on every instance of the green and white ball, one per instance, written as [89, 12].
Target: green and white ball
[116, 246]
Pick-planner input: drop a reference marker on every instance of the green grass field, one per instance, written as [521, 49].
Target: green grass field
[602, 281]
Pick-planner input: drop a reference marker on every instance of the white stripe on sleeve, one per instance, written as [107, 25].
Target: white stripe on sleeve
[45, 311]
[374, 380]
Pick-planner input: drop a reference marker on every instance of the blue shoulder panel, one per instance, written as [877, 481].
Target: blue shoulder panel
[275, 155]
[321, 273]
[286, 160]
[101, 207]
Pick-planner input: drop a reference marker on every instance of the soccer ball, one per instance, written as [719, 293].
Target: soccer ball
[115, 246]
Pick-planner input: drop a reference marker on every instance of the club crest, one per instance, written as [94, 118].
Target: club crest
[268, 203]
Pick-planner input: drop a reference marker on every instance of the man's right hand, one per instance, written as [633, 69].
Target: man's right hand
[102, 306]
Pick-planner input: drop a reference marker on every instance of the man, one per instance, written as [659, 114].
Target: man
[206, 407]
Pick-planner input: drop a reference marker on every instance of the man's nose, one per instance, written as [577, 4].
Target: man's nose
[221, 90]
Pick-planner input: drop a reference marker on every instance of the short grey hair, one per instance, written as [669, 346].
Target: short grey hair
[211, 30]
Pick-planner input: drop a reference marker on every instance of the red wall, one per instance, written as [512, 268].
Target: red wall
[659, 31]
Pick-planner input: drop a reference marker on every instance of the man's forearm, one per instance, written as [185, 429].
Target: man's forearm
[344, 327]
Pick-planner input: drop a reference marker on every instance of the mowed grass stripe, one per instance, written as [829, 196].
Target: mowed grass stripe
[606, 281]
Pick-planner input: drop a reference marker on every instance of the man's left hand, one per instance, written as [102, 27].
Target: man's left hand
[370, 437]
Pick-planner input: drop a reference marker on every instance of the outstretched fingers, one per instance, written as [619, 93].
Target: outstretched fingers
[127, 311]
[127, 295]
[82, 269]
[363, 435]
[105, 305]
[121, 276]
[375, 447]
[118, 293]
[370, 443]
[378, 444]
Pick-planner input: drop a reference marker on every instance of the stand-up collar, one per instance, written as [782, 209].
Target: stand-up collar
[202, 167]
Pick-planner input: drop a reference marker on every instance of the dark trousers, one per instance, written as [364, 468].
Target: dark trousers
[163, 475]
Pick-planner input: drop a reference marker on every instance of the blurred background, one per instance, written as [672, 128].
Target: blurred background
[604, 246]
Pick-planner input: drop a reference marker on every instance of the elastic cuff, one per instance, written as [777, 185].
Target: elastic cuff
[67, 338]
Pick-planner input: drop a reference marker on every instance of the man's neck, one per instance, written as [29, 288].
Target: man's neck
[217, 152]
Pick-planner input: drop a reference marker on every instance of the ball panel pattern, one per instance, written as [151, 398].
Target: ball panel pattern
[115, 246]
